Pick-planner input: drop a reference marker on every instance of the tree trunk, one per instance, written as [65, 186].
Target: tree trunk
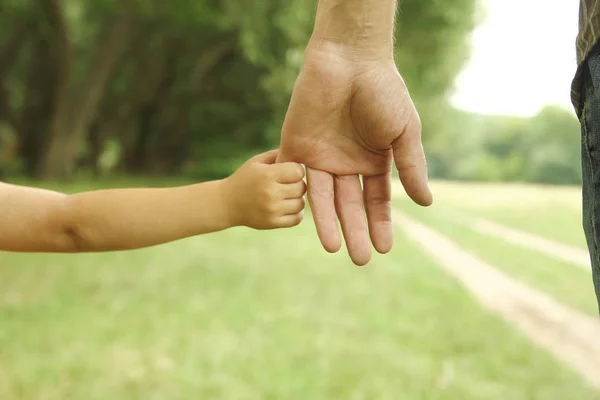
[53, 166]
[151, 91]
[174, 149]
[8, 57]
[170, 145]
[106, 59]
[211, 58]
[95, 146]
[75, 111]
[34, 121]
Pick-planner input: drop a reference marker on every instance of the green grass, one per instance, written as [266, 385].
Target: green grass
[247, 315]
[566, 283]
[553, 212]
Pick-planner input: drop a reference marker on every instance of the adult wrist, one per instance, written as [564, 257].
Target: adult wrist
[318, 48]
[355, 29]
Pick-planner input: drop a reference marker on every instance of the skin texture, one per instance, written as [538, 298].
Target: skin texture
[259, 195]
[351, 115]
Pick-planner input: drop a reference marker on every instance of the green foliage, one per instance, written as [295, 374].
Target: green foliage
[432, 43]
[556, 152]
[202, 85]
[196, 84]
[542, 149]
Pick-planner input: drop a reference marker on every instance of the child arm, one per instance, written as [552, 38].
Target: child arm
[36, 220]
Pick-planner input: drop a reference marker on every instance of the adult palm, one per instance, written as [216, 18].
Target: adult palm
[349, 118]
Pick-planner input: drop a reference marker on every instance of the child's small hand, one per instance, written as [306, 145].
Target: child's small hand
[265, 195]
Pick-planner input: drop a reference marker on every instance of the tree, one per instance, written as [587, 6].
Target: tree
[555, 150]
[181, 85]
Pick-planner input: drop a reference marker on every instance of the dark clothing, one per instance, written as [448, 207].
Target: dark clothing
[589, 116]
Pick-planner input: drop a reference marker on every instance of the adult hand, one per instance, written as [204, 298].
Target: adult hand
[350, 117]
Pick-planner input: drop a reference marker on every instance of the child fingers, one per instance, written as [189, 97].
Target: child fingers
[266, 158]
[294, 190]
[290, 220]
[289, 172]
[292, 206]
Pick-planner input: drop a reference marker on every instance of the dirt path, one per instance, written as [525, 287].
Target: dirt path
[571, 254]
[571, 336]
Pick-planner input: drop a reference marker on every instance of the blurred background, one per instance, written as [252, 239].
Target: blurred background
[107, 93]
[192, 88]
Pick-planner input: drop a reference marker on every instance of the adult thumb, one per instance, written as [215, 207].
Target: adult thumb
[283, 156]
[411, 163]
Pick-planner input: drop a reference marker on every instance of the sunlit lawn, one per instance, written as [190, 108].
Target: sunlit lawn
[565, 282]
[257, 315]
[554, 212]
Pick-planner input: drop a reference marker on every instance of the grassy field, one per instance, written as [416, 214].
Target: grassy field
[567, 283]
[248, 315]
[532, 209]
[552, 212]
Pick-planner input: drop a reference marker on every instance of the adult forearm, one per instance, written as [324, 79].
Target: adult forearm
[364, 26]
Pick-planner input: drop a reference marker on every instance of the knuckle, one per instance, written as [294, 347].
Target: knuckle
[411, 120]
[405, 165]
[301, 204]
[265, 204]
[299, 171]
[269, 173]
[321, 193]
[269, 193]
[273, 221]
[298, 218]
[271, 208]
[415, 121]
[258, 173]
[272, 193]
[379, 201]
[302, 188]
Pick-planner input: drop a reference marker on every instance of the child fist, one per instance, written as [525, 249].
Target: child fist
[265, 195]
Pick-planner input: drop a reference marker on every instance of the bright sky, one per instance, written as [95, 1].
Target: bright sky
[523, 57]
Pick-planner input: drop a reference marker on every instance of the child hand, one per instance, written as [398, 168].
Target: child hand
[265, 195]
